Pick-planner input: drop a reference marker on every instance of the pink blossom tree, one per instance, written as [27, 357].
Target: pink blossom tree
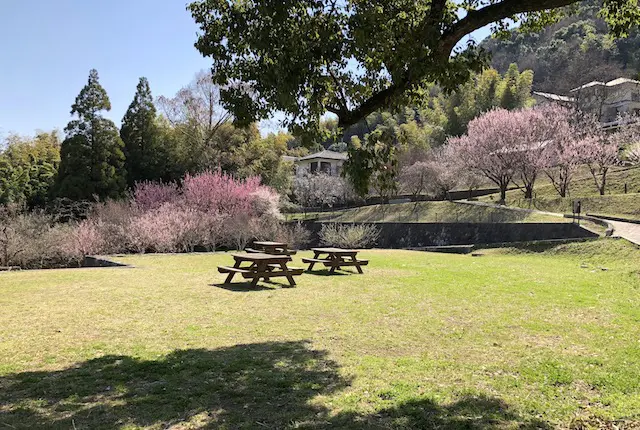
[535, 133]
[416, 178]
[600, 150]
[488, 147]
[627, 137]
[446, 167]
[564, 151]
[151, 195]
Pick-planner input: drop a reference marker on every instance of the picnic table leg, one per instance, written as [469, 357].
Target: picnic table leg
[315, 257]
[260, 267]
[232, 274]
[354, 259]
[334, 262]
[292, 281]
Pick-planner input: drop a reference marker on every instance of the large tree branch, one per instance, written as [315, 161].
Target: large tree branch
[474, 20]
[477, 19]
[369, 106]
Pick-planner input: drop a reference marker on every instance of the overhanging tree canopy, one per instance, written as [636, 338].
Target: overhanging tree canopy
[354, 57]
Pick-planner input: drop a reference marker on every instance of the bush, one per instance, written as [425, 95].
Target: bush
[210, 209]
[349, 236]
[112, 220]
[295, 235]
[33, 240]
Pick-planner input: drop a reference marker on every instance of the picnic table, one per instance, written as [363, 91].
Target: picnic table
[260, 266]
[267, 247]
[335, 258]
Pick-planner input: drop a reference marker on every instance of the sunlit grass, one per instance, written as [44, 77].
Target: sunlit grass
[429, 212]
[536, 337]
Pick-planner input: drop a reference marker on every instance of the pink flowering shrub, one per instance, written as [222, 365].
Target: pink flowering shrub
[209, 210]
[151, 195]
[84, 239]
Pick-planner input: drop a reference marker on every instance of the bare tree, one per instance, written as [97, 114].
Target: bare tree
[196, 109]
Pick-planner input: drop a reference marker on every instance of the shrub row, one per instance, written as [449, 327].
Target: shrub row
[208, 211]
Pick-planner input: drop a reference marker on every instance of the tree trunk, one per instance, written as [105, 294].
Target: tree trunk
[603, 183]
[528, 191]
[503, 194]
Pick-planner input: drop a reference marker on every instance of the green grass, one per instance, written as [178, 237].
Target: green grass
[528, 338]
[622, 205]
[428, 212]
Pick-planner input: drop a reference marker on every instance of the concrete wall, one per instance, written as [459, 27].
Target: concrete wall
[415, 235]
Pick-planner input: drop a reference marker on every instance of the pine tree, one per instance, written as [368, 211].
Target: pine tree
[91, 156]
[140, 133]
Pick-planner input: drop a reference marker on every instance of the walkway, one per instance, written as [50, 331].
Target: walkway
[626, 230]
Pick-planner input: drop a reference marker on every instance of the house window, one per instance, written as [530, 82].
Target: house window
[314, 167]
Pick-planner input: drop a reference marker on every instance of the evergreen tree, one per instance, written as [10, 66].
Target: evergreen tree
[145, 160]
[91, 156]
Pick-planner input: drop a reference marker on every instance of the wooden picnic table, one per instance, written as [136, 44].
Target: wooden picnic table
[267, 247]
[335, 258]
[261, 266]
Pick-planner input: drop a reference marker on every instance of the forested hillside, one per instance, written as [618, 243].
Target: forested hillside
[572, 52]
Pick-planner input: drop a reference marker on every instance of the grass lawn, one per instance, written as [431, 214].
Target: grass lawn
[622, 205]
[513, 339]
[429, 212]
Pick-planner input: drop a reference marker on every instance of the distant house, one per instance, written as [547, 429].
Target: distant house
[607, 100]
[328, 162]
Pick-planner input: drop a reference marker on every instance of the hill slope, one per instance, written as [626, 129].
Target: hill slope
[570, 53]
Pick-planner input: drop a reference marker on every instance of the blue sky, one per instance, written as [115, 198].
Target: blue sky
[49, 46]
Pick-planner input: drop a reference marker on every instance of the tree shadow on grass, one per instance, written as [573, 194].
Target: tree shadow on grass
[262, 385]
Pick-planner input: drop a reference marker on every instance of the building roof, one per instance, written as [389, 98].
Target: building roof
[613, 83]
[555, 97]
[329, 155]
[621, 81]
[590, 84]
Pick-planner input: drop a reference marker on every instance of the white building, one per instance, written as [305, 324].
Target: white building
[328, 162]
[608, 100]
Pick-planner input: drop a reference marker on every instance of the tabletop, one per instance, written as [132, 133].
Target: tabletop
[261, 257]
[267, 243]
[335, 250]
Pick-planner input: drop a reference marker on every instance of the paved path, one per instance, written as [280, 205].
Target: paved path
[626, 230]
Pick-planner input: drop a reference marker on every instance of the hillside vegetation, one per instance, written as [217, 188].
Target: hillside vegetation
[570, 53]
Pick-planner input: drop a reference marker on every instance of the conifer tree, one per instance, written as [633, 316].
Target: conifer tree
[141, 137]
[91, 156]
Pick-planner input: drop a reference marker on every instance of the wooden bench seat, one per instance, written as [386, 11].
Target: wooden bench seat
[346, 263]
[227, 269]
[291, 271]
[315, 260]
